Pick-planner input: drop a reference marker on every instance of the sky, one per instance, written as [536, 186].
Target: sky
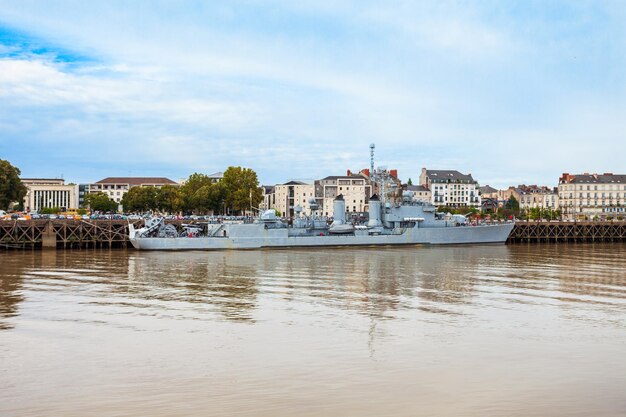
[511, 92]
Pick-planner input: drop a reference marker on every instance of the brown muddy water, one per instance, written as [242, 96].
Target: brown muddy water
[417, 331]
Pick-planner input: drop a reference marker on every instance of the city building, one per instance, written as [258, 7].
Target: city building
[420, 193]
[587, 196]
[49, 193]
[268, 200]
[116, 187]
[83, 190]
[488, 191]
[290, 194]
[355, 188]
[533, 196]
[493, 199]
[451, 188]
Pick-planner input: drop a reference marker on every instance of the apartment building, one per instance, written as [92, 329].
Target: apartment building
[533, 196]
[284, 197]
[268, 198]
[420, 193]
[589, 195]
[451, 188]
[116, 187]
[355, 188]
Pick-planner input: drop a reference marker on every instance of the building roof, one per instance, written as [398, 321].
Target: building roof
[269, 189]
[336, 177]
[535, 189]
[43, 181]
[293, 182]
[441, 175]
[216, 175]
[487, 189]
[136, 180]
[416, 188]
[594, 178]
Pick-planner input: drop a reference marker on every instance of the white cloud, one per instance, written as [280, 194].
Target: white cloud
[302, 91]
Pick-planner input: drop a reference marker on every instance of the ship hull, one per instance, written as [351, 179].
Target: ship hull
[249, 237]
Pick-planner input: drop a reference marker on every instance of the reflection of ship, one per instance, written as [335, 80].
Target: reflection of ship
[404, 223]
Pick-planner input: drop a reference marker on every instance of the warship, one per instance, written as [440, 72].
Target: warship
[394, 218]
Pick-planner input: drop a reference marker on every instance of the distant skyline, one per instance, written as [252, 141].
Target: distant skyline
[511, 92]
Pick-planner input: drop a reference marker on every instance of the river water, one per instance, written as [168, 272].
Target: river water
[537, 330]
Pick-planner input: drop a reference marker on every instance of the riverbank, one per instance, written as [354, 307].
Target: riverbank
[87, 234]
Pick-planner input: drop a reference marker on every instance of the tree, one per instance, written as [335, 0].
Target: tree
[140, 199]
[209, 197]
[50, 210]
[189, 189]
[242, 188]
[512, 203]
[100, 202]
[168, 199]
[11, 187]
[409, 182]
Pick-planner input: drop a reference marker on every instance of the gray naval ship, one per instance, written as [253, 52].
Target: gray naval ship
[403, 222]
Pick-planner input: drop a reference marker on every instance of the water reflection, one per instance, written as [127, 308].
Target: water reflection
[10, 290]
[220, 279]
[500, 330]
[373, 282]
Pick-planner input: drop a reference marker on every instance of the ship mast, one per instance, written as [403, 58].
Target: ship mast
[381, 177]
[372, 173]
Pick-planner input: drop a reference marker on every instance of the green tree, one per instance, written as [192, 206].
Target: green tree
[209, 197]
[140, 199]
[512, 203]
[168, 199]
[11, 188]
[100, 202]
[409, 182]
[536, 213]
[50, 210]
[242, 188]
[558, 213]
[189, 189]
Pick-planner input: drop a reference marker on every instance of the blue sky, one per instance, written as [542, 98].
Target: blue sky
[513, 92]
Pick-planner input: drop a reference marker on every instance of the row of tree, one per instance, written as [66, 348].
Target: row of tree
[238, 191]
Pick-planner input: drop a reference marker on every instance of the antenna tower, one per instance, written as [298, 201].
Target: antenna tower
[372, 173]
